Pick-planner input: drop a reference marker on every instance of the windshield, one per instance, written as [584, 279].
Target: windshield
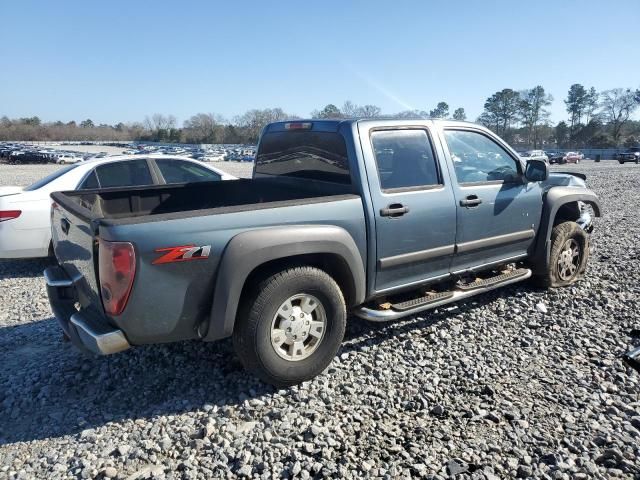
[49, 178]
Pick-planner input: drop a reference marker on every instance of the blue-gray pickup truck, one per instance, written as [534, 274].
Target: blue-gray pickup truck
[376, 218]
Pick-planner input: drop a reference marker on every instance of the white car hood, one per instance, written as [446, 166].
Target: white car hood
[6, 191]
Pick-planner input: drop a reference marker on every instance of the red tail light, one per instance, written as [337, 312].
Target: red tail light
[117, 269]
[9, 214]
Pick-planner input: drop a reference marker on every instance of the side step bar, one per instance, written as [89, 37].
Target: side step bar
[422, 301]
[460, 293]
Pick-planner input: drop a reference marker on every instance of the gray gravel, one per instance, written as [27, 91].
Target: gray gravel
[516, 383]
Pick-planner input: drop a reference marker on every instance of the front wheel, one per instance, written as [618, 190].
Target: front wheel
[568, 257]
[621, 162]
[291, 326]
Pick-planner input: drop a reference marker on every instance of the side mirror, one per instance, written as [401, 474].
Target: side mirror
[536, 171]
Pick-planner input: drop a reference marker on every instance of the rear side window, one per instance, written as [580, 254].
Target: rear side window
[90, 182]
[405, 159]
[129, 173]
[305, 154]
[179, 171]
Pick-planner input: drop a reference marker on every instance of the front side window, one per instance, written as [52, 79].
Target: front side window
[128, 173]
[477, 158]
[405, 159]
[179, 171]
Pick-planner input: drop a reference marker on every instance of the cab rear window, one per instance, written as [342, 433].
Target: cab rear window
[304, 154]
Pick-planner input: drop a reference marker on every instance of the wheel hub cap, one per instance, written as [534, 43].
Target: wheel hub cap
[569, 259]
[298, 327]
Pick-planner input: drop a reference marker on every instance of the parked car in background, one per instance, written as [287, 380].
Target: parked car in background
[535, 155]
[631, 155]
[67, 158]
[25, 228]
[572, 157]
[360, 217]
[554, 157]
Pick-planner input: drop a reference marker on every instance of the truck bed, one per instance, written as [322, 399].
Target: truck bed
[153, 203]
[200, 214]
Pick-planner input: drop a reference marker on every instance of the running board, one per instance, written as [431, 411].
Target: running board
[422, 301]
[497, 280]
[481, 286]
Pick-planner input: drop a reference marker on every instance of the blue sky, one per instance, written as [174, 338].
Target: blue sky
[122, 60]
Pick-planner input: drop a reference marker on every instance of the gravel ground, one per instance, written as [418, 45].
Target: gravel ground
[519, 382]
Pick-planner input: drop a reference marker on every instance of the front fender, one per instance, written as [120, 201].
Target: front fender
[249, 250]
[555, 198]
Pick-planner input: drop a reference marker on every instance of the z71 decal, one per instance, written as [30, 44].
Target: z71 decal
[182, 254]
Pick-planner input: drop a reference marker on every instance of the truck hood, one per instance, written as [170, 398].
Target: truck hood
[565, 179]
[6, 191]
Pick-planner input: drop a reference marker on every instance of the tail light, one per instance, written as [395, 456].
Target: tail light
[9, 214]
[117, 269]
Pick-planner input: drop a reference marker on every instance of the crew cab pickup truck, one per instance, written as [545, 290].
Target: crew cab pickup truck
[375, 218]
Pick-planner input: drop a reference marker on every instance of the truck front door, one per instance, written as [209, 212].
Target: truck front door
[498, 210]
[414, 209]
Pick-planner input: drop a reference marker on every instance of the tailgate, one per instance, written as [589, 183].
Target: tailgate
[73, 245]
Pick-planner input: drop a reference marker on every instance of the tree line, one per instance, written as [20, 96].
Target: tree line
[595, 119]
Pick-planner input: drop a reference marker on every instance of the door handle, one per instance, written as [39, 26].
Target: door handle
[471, 201]
[65, 225]
[394, 210]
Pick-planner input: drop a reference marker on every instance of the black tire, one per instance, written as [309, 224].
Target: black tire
[621, 162]
[637, 160]
[562, 237]
[252, 333]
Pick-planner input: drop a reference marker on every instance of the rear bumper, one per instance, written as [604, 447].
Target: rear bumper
[88, 331]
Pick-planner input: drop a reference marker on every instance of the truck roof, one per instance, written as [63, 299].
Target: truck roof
[333, 125]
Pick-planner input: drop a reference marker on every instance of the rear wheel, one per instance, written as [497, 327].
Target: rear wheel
[621, 162]
[291, 326]
[568, 257]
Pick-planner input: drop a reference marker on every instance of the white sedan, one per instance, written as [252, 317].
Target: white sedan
[25, 228]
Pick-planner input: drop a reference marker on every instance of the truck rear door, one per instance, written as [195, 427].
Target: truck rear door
[414, 210]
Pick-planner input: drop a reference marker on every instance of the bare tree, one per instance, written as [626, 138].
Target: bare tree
[350, 109]
[253, 121]
[617, 105]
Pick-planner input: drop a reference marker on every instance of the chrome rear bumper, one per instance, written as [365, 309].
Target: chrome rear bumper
[88, 331]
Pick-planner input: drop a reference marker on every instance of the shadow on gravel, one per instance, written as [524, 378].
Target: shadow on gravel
[49, 389]
[27, 268]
